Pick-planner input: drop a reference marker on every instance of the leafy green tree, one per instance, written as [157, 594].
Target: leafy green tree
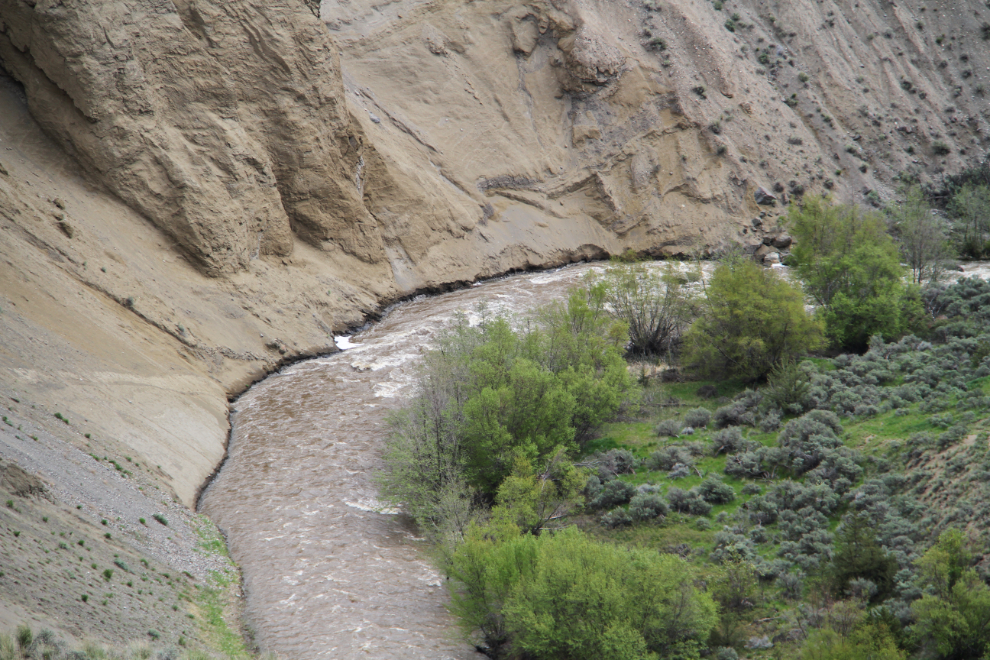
[566, 596]
[867, 641]
[851, 266]
[952, 621]
[970, 207]
[958, 626]
[535, 500]
[733, 587]
[923, 237]
[859, 555]
[492, 395]
[752, 321]
[945, 562]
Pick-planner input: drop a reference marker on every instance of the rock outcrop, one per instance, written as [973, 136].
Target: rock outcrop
[223, 123]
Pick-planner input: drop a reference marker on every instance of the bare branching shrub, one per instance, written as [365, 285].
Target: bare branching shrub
[656, 306]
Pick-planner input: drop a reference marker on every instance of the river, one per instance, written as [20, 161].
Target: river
[326, 574]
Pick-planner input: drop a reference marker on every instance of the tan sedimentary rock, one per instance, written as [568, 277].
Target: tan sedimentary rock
[224, 123]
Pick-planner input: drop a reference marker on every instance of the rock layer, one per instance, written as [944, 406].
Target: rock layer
[224, 123]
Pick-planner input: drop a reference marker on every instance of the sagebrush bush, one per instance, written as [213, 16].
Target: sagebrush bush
[647, 506]
[714, 491]
[731, 441]
[666, 458]
[770, 421]
[670, 428]
[751, 489]
[689, 501]
[748, 464]
[617, 461]
[614, 493]
[618, 517]
[733, 547]
[698, 418]
[791, 585]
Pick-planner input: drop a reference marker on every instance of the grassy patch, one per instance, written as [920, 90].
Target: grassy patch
[216, 604]
[210, 539]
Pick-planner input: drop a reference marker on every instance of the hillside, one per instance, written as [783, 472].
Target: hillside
[192, 194]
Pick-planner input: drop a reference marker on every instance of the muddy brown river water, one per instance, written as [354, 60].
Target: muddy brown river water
[326, 574]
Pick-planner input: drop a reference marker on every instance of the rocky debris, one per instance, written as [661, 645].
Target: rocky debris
[435, 40]
[581, 134]
[276, 345]
[764, 197]
[18, 482]
[771, 258]
[590, 56]
[761, 252]
[782, 242]
[524, 30]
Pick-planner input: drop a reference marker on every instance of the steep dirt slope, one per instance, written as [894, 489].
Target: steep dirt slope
[193, 192]
[656, 119]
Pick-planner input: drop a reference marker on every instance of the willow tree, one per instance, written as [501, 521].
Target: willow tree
[752, 321]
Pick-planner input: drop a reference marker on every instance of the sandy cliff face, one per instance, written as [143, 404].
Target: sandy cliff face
[191, 192]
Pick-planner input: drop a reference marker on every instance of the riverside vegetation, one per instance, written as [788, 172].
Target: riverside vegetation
[796, 484]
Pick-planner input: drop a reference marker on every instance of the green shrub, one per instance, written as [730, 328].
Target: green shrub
[714, 491]
[655, 306]
[567, 596]
[490, 395]
[698, 418]
[647, 506]
[751, 489]
[618, 517]
[753, 320]
[614, 493]
[688, 501]
[670, 428]
[617, 461]
[24, 637]
[851, 267]
[666, 458]
[730, 441]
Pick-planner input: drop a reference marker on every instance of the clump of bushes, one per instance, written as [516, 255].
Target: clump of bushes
[615, 462]
[613, 493]
[714, 491]
[670, 428]
[688, 501]
[647, 506]
[641, 599]
[698, 418]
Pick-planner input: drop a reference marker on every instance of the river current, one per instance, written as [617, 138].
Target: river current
[327, 573]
